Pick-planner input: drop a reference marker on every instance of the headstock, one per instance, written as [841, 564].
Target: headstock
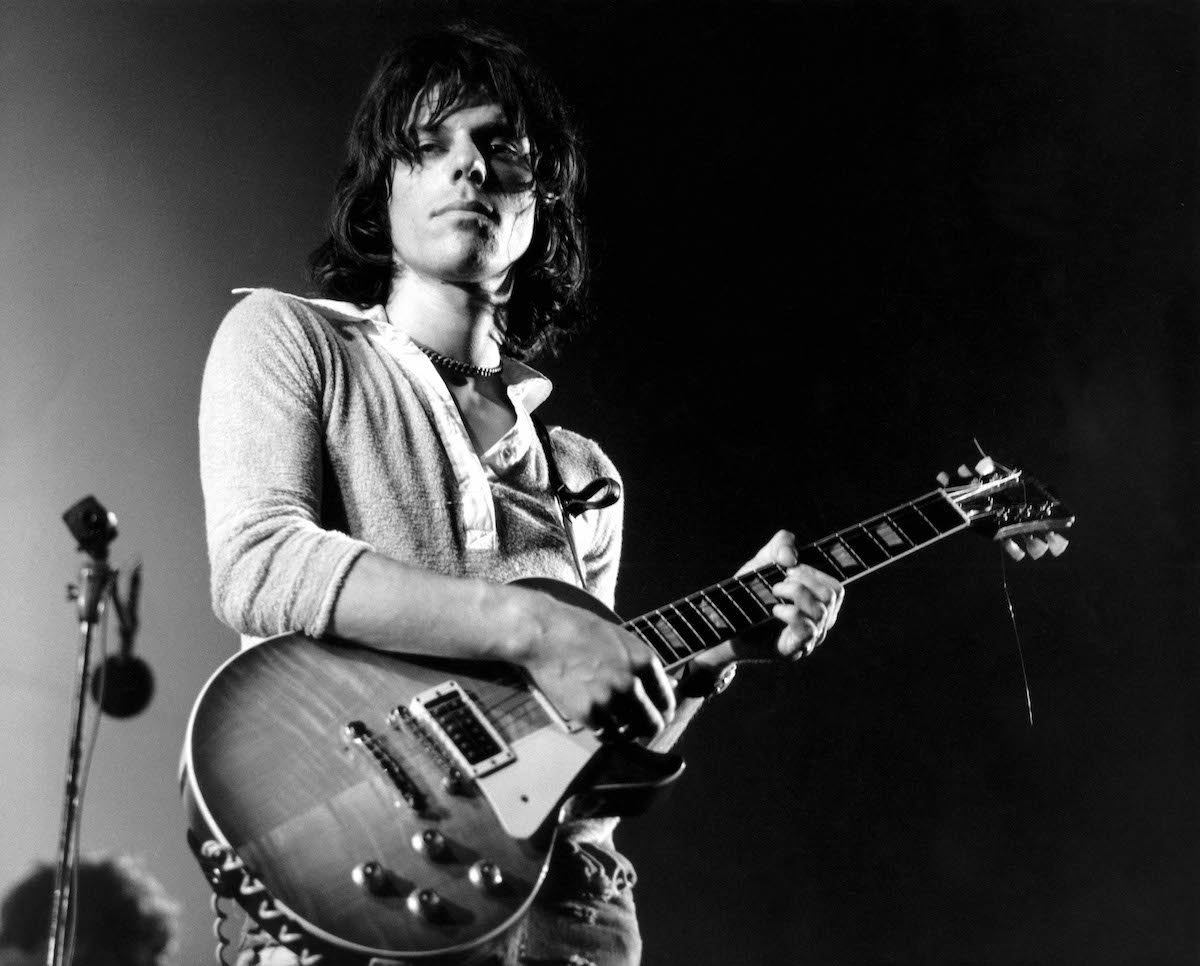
[1010, 507]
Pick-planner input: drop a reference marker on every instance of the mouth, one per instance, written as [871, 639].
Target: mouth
[467, 207]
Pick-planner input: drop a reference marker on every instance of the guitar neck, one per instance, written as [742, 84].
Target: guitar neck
[709, 617]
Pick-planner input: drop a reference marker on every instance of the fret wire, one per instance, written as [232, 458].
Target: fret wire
[667, 633]
[950, 510]
[949, 514]
[917, 509]
[849, 549]
[670, 651]
[929, 498]
[870, 532]
[728, 623]
[670, 627]
[670, 654]
[837, 569]
[896, 528]
[853, 528]
[743, 584]
[864, 547]
[700, 610]
[721, 588]
[767, 586]
[688, 625]
[914, 515]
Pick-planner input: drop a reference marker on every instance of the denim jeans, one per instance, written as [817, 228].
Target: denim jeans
[584, 915]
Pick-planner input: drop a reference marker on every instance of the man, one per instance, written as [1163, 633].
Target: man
[123, 917]
[370, 463]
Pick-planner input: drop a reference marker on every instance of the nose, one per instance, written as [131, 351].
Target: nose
[469, 163]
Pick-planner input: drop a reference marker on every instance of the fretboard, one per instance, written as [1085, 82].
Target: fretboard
[681, 630]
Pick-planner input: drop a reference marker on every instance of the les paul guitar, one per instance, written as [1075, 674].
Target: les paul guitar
[372, 809]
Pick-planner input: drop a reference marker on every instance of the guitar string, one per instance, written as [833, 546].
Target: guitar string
[742, 583]
[1016, 635]
[647, 626]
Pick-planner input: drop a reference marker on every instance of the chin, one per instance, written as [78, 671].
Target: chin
[475, 266]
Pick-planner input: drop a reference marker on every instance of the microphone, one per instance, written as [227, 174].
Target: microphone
[123, 685]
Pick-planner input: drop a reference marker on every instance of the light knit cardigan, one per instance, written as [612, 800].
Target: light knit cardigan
[319, 439]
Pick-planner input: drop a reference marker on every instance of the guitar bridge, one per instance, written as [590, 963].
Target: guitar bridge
[450, 715]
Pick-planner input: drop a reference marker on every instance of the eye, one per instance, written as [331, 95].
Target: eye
[428, 148]
[508, 149]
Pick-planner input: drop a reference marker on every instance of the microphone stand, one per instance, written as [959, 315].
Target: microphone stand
[95, 528]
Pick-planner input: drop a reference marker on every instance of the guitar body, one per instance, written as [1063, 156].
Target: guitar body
[393, 836]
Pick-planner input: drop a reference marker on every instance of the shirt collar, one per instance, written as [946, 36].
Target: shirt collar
[524, 383]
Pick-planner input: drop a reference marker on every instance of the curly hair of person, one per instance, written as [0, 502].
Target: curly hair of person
[440, 70]
[123, 916]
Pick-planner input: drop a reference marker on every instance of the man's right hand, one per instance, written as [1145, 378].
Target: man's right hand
[595, 671]
[591, 669]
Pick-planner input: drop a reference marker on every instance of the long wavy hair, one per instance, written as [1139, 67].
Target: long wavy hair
[447, 66]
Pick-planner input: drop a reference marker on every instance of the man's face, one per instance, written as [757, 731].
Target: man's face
[464, 211]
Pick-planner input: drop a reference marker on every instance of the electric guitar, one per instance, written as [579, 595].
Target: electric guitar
[374, 809]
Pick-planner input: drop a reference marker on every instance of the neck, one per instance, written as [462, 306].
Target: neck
[456, 320]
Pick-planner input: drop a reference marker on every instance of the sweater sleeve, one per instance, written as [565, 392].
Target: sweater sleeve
[274, 568]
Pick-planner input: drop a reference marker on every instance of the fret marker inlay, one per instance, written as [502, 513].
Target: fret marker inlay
[711, 614]
[842, 555]
[889, 536]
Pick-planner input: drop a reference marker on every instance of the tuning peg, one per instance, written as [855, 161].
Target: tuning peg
[943, 478]
[965, 471]
[1037, 548]
[985, 466]
[1057, 543]
[1013, 549]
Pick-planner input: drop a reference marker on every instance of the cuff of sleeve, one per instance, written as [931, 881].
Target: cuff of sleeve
[334, 588]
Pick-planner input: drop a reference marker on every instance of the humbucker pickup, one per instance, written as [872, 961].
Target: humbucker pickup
[455, 720]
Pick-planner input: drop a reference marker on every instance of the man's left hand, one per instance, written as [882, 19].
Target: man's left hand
[809, 604]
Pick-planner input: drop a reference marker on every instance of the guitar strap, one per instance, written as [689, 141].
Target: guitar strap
[601, 492]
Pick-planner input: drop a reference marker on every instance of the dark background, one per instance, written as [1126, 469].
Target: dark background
[835, 243]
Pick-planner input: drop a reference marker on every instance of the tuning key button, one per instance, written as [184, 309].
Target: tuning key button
[431, 843]
[985, 467]
[1057, 543]
[1013, 549]
[371, 877]
[425, 903]
[943, 478]
[965, 471]
[486, 876]
[1037, 548]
